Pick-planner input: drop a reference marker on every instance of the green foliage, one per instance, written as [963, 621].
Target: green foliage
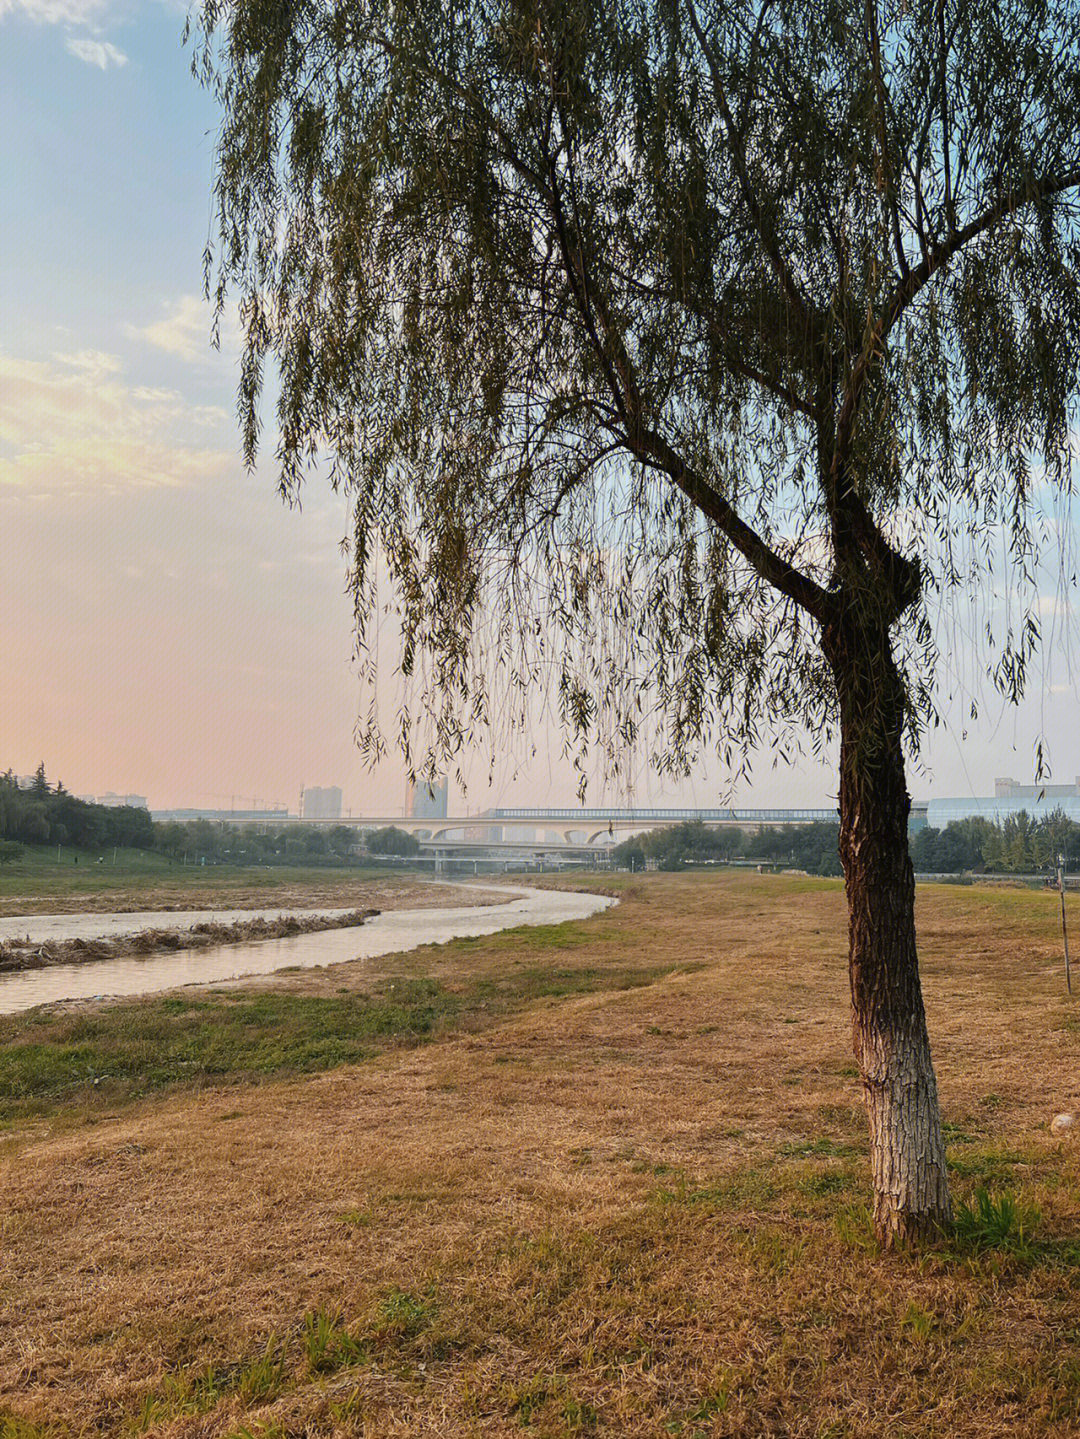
[392, 840]
[43, 814]
[632, 328]
[50, 1062]
[262, 1378]
[812, 847]
[327, 1343]
[1019, 845]
[136, 1048]
[995, 1222]
[404, 1314]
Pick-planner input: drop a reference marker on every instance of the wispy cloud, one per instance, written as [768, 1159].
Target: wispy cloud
[72, 425]
[56, 12]
[96, 52]
[184, 331]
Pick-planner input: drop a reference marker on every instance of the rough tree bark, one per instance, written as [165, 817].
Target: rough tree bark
[911, 1195]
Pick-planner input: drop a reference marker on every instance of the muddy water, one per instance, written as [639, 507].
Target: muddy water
[388, 933]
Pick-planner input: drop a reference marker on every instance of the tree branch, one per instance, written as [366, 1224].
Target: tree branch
[847, 506]
[888, 179]
[765, 232]
[772, 567]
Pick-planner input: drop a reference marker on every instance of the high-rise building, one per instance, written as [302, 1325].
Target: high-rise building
[428, 801]
[113, 801]
[318, 803]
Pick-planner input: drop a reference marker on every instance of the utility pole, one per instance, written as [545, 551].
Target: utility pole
[1064, 927]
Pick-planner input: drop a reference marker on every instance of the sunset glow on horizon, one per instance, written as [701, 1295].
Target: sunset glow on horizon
[168, 626]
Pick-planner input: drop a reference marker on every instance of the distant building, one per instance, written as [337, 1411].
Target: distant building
[1009, 798]
[114, 801]
[318, 803]
[222, 816]
[428, 801]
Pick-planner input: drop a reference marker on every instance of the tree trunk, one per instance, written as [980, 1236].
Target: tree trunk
[911, 1195]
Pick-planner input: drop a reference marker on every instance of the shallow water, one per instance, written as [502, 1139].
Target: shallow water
[388, 933]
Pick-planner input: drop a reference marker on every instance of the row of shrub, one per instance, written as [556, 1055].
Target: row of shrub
[812, 847]
[47, 814]
[1021, 844]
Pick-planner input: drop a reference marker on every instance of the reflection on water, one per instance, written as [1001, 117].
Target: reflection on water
[397, 930]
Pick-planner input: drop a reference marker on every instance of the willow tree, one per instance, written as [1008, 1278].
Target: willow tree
[677, 355]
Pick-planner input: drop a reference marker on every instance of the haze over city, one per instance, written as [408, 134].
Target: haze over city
[175, 630]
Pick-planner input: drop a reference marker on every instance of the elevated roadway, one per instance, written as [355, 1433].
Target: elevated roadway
[540, 829]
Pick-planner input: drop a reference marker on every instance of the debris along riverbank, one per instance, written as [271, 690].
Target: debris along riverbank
[17, 955]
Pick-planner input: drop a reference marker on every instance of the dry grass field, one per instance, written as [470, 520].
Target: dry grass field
[146, 881]
[614, 1184]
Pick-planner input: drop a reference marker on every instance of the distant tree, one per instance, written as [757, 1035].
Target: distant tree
[203, 838]
[674, 846]
[629, 854]
[314, 841]
[676, 350]
[392, 840]
[170, 838]
[39, 788]
[34, 825]
[341, 839]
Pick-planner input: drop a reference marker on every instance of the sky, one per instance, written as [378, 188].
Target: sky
[167, 626]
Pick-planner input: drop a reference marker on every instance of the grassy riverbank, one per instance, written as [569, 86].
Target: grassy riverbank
[604, 1179]
[41, 883]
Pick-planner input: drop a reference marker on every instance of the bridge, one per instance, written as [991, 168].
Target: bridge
[541, 829]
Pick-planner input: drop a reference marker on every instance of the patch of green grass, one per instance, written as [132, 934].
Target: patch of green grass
[855, 1226]
[328, 1345]
[918, 1322]
[546, 1399]
[13, 1428]
[41, 874]
[50, 1062]
[124, 1051]
[181, 1394]
[1000, 1222]
[988, 1164]
[403, 1315]
[828, 1148]
[827, 1181]
[264, 1377]
[750, 1188]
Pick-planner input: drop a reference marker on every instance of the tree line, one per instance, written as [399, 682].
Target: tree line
[812, 847]
[1020, 844]
[47, 814]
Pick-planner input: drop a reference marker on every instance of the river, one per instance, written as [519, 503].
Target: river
[388, 933]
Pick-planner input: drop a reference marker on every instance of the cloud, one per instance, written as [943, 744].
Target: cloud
[184, 331]
[96, 52]
[71, 426]
[56, 12]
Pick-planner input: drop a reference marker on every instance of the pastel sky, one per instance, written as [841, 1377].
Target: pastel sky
[167, 626]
